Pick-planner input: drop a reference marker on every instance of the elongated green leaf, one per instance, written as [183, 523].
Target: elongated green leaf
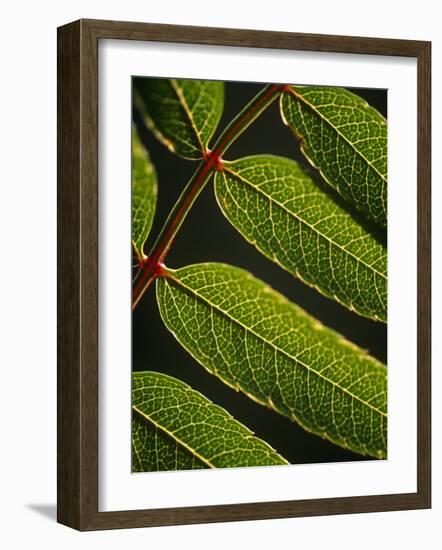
[182, 113]
[178, 428]
[258, 342]
[346, 140]
[144, 194]
[291, 220]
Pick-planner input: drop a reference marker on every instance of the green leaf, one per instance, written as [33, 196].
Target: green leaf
[144, 194]
[291, 220]
[346, 140]
[256, 341]
[182, 113]
[154, 451]
[176, 427]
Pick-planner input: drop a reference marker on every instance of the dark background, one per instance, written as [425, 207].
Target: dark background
[207, 236]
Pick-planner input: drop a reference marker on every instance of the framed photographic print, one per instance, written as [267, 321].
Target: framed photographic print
[244, 274]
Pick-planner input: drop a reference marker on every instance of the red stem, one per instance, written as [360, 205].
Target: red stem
[212, 161]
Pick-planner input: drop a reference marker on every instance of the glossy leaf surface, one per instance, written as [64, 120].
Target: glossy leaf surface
[257, 342]
[346, 140]
[175, 427]
[293, 221]
[182, 113]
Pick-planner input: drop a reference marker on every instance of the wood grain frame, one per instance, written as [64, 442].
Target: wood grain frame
[77, 459]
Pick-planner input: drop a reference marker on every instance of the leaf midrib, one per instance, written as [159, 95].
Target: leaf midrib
[301, 220]
[324, 119]
[170, 434]
[182, 100]
[170, 275]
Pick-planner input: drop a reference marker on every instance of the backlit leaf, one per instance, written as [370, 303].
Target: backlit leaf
[175, 427]
[144, 194]
[346, 140]
[257, 342]
[277, 207]
[153, 451]
[182, 113]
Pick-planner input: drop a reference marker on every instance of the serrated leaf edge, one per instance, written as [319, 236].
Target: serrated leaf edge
[269, 404]
[192, 451]
[301, 140]
[349, 304]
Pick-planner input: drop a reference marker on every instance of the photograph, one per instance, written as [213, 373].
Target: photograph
[259, 274]
[220, 261]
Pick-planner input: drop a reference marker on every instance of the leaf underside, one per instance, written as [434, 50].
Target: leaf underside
[277, 207]
[183, 114]
[346, 140]
[153, 451]
[175, 427]
[258, 342]
[144, 194]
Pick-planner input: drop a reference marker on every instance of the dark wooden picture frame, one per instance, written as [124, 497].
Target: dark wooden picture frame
[77, 459]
